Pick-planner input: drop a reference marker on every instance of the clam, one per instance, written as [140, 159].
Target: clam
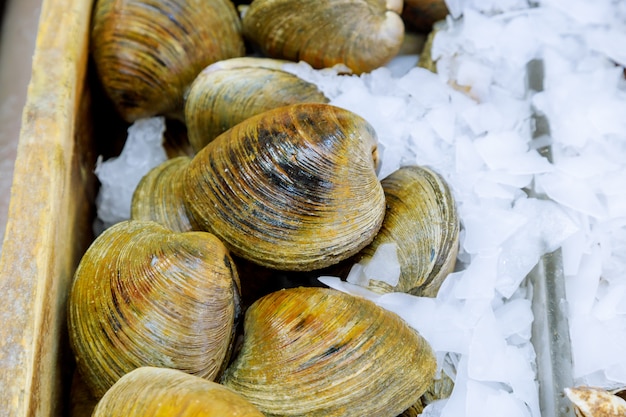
[147, 52]
[293, 188]
[155, 392]
[440, 388]
[422, 221]
[158, 196]
[360, 34]
[227, 93]
[320, 352]
[143, 295]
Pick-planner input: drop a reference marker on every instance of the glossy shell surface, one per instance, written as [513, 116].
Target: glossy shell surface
[147, 52]
[158, 392]
[293, 188]
[225, 94]
[422, 220]
[360, 34]
[146, 296]
[159, 197]
[320, 352]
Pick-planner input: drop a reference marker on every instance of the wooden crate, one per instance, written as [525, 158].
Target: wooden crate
[50, 214]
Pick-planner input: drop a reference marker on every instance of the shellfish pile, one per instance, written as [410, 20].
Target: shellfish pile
[275, 186]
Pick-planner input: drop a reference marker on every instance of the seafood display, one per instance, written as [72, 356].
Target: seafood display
[277, 179]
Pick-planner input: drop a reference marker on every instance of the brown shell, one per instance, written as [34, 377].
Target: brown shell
[159, 392]
[226, 93]
[147, 52]
[145, 296]
[159, 197]
[420, 15]
[293, 188]
[361, 34]
[422, 220]
[321, 352]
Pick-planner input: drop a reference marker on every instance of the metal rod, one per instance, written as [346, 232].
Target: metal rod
[550, 329]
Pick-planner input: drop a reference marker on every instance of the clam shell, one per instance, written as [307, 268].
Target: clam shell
[595, 402]
[158, 392]
[361, 34]
[143, 295]
[158, 196]
[440, 388]
[147, 52]
[293, 188]
[422, 220]
[225, 94]
[321, 352]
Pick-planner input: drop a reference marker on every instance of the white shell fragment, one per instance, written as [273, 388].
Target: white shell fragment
[596, 402]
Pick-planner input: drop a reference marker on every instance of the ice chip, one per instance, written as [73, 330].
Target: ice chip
[488, 227]
[356, 276]
[574, 194]
[339, 285]
[384, 265]
[119, 176]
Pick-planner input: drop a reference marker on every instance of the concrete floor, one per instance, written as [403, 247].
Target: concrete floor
[18, 33]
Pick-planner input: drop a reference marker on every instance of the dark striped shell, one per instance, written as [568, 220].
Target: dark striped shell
[293, 188]
[422, 220]
[143, 295]
[147, 52]
[230, 91]
[319, 352]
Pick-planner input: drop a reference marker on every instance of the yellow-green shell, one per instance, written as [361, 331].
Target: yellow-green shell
[158, 196]
[422, 220]
[159, 392]
[293, 188]
[145, 296]
[223, 95]
[147, 52]
[319, 352]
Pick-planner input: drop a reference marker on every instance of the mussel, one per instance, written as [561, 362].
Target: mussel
[422, 221]
[143, 295]
[293, 188]
[147, 52]
[320, 352]
[230, 91]
[160, 392]
[360, 34]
